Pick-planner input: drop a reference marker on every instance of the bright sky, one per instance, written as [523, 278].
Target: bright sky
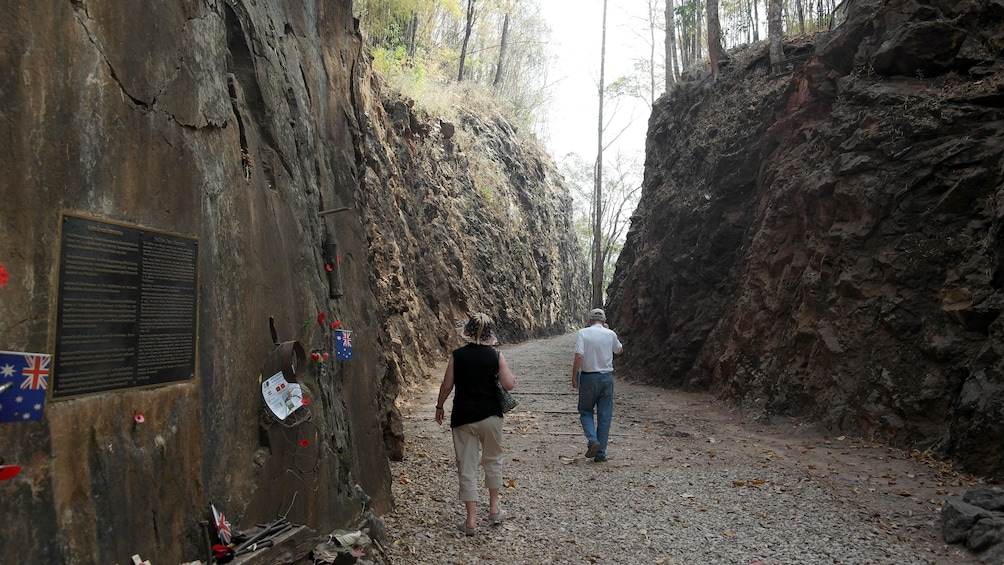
[576, 30]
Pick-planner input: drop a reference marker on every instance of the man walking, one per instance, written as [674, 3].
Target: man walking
[592, 375]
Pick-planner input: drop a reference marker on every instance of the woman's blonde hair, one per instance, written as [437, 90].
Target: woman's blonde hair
[479, 327]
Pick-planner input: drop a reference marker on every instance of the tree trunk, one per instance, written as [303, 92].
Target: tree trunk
[698, 18]
[714, 37]
[467, 37]
[505, 42]
[671, 62]
[774, 33]
[597, 278]
[800, 12]
[651, 51]
[412, 33]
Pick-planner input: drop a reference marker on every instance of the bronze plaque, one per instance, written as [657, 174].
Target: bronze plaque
[127, 308]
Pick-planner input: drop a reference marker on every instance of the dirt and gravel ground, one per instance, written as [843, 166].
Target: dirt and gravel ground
[688, 480]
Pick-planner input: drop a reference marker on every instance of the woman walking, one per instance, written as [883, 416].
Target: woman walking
[476, 418]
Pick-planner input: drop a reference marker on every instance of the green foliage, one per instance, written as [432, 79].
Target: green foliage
[393, 60]
[416, 44]
[686, 14]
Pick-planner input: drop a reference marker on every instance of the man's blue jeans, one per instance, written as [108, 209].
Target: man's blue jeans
[596, 397]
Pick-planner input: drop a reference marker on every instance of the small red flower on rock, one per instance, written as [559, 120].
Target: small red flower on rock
[306, 402]
[304, 442]
[4, 275]
[320, 318]
[324, 356]
[138, 417]
[336, 324]
[315, 356]
[328, 267]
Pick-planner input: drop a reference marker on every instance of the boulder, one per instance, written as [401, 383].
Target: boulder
[985, 497]
[958, 519]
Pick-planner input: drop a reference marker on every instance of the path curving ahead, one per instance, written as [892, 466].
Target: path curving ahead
[688, 481]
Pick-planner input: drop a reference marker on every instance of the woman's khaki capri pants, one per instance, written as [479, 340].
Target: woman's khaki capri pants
[467, 439]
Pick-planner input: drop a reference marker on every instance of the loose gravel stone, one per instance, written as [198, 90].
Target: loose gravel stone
[688, 480]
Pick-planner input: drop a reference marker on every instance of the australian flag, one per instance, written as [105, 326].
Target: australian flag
[343, 345]
[24, 378]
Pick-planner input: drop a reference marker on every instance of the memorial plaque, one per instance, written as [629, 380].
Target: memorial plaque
[127, 308]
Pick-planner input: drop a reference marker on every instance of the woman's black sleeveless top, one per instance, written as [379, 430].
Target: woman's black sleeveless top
[475, 368]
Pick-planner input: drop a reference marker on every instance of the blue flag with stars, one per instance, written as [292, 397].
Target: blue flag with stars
[343, 345]
[24, 378]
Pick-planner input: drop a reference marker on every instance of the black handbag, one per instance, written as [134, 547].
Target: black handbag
[506, 401]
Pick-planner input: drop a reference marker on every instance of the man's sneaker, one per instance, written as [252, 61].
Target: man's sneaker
[599, 459]
[594, 448]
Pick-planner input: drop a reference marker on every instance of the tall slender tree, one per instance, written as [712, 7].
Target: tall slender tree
[714, 37]
[597, 271]
[502, 48]
[672, 64]
[774, 33]
[698, 18]
[468, 28]
[652, 16]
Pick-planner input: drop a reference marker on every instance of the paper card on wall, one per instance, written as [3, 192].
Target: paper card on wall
[281, 396]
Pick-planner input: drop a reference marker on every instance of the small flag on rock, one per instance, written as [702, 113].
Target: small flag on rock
[24, 378]
[343, 345]
[223, 529]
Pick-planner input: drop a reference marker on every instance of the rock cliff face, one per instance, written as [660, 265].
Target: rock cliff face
[827, 243]
[257, 128]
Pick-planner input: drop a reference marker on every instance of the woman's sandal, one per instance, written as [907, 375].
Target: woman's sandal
[496, 519]
[467, 531]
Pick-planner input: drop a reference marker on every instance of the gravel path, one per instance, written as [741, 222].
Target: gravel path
[688, 481]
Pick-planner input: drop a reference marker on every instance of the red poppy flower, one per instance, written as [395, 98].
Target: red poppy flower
[339, 257]
[304, 442]
[306, 401]
[336, 324]
[315, 356]
[328, 267]
[324, 356]
[138, 417]
[320, 318]
[4, 275]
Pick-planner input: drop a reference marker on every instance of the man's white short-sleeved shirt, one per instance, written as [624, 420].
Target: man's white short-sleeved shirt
[597, 346]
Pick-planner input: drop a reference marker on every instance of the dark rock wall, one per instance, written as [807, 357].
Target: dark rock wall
[238, 123]
[827, 244]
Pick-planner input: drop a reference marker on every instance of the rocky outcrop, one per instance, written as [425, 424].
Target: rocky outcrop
[977, 521]
[257, 128]
[461, 217]
[468, 216]
[826, 244]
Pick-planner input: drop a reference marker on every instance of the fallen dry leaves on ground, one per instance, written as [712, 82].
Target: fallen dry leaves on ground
[688, 480]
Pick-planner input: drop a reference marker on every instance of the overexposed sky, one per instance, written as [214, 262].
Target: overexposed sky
[576, 32]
